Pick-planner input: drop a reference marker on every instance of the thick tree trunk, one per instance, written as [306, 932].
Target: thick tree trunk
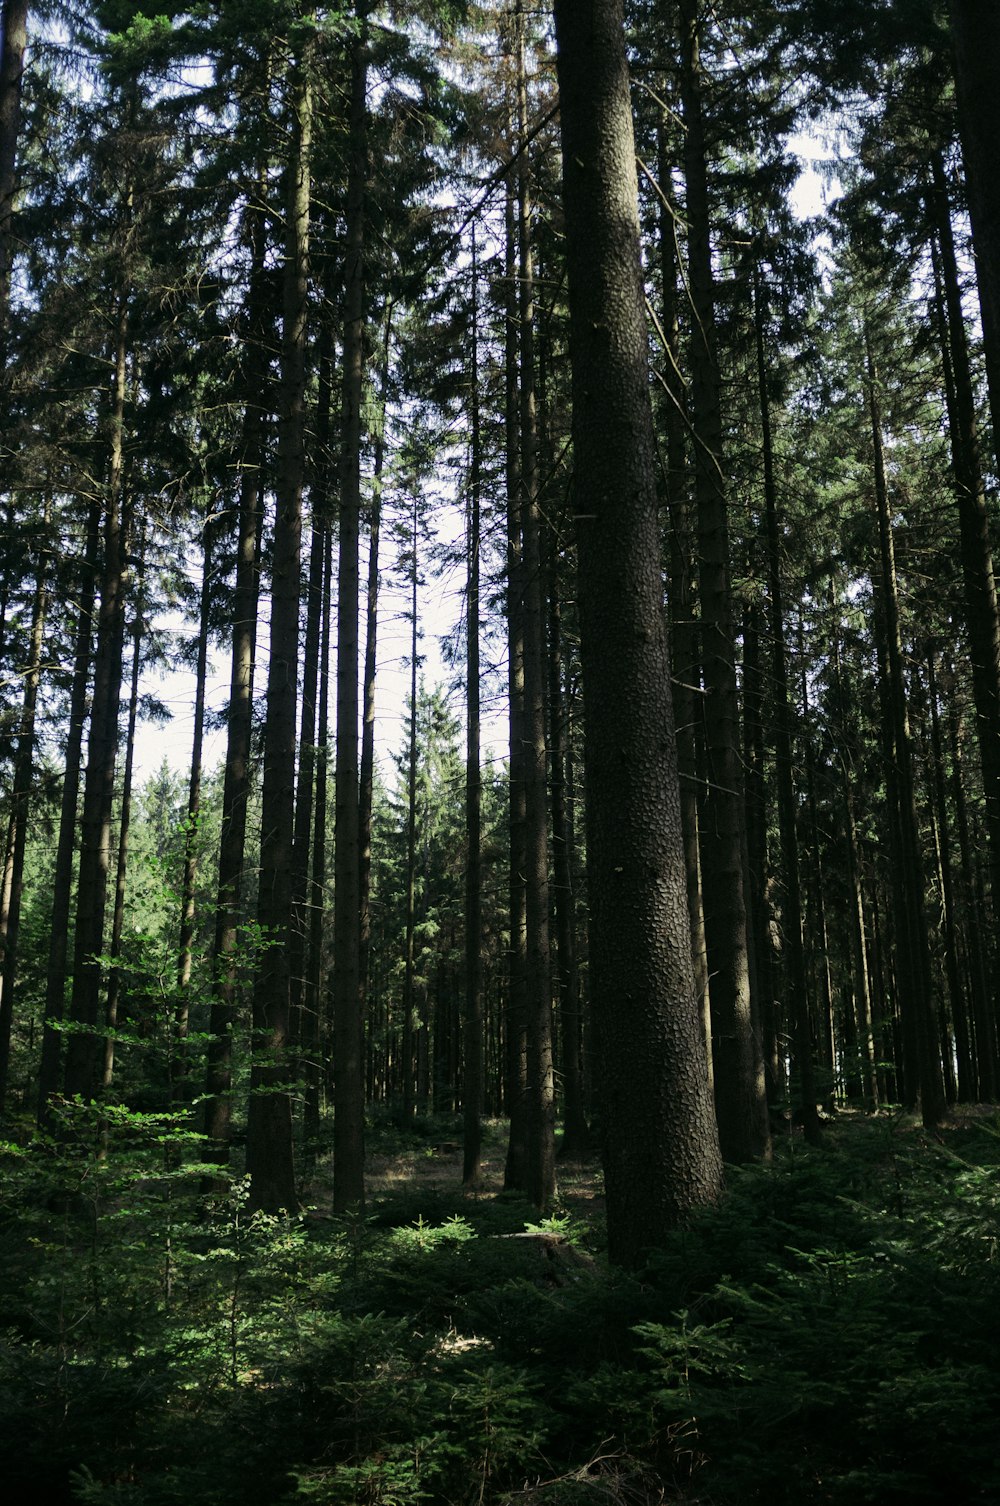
[686, 658]
[348, 1021]
[269, 1119]
[661, 1154]
[979, 586]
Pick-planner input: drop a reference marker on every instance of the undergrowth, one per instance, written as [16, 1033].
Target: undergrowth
[829, 1333]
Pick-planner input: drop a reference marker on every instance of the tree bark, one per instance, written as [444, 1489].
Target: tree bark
[661, 1154]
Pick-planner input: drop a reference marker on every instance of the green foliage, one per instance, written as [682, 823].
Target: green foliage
[830, 1333]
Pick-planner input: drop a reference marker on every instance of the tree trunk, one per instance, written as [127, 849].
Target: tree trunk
[189, 879]
[124, 824]
[654, 1080]
[516, 1065]
[62, 878]
[472, 1022]
[918, 1011]
[239, 721]
[348, 1021]
[10, 920]
[740, 1098]
[14, 41]
[269, 1118]
[975, 30]
[798, 987]
[541, 1180]
[83, 1056]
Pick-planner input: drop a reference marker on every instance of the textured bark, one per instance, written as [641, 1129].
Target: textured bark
[975, 29]
[682, 593]
[661, 1153]
[269, 1118]
[348, 1022]
[740, 1098]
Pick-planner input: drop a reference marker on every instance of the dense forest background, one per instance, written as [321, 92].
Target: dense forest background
[286, 292]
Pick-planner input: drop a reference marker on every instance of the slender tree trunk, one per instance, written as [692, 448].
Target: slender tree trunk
[14, 41]
[269, 1119]
[83, 1055]
[798, 987]
[472, 1021]
[516, 1092]
[236, 779]
[410, 1021]
[189, 879]
[654, 1080]
[62, 879]
[124, 824]
[756, 786]
[740, 1098]
[367, 784]
[982, 1014]
[918, 1018]
[348, 1020]
[10, 919]
[311, 863]
[975, 30]
[541, 1086]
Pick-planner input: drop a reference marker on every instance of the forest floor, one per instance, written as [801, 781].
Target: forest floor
[829, 1335]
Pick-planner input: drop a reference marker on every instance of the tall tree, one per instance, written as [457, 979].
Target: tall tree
[654, 1083]
[269, 1123]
